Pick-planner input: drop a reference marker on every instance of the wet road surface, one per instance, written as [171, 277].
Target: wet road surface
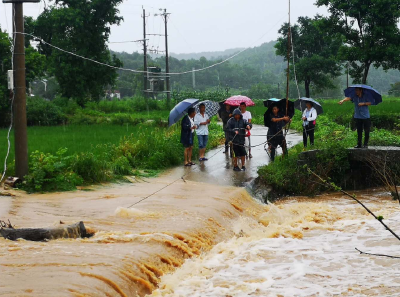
[219, 170]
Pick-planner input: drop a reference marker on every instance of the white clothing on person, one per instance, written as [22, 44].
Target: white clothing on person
[246, 116]
[311, 115]
[201, 129]
[191, 124]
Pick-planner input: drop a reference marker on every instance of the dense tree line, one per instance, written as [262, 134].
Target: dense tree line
[361, 36]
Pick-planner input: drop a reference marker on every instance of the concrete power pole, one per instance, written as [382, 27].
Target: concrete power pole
[20, 121]
[165, 16]
[144, 55]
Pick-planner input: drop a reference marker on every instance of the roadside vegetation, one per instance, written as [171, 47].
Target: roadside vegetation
[333, 136]
[71, 146]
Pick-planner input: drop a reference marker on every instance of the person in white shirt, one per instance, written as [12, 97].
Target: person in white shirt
[309, 120]
[247, 117]
[202, 121]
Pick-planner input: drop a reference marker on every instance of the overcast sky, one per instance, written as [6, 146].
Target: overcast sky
[196, 25]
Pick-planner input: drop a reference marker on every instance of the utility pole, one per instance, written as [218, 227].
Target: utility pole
[144, 55]
[165, 16]
[279, 90]
[194, 78]
[288, 64]
[19, 105]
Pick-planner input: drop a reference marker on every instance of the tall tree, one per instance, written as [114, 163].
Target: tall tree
[5, 64]
[83, 28]
[370, 31]
[35, 65]
[315, 52]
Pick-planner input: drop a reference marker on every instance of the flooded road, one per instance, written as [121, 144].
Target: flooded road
[200, 237]
[219, 170]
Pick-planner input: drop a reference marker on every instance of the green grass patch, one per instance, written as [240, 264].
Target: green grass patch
[287, 177]
[77, 138]
[62, 158]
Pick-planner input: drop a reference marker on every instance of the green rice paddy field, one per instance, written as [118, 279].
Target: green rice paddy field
[77, 138]
[82, 138]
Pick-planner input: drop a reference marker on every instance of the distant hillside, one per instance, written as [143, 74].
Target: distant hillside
[207, 55]
[257, 65]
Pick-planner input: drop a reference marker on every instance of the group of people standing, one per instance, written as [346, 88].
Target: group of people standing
[237, 124]
[190, 123]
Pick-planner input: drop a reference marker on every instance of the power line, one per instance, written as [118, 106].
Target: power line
[128, 41]
[138, 71]
[183, 37]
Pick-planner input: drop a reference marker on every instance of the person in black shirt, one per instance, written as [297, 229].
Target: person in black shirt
[187, 132]
[225, 114]
[237, 127]
[275, 132]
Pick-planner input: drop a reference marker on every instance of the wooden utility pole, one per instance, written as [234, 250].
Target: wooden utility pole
[19, 105]
[144, 55]
[288, 64]
[165, 16]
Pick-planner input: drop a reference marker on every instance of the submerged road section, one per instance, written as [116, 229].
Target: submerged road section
[219, 170]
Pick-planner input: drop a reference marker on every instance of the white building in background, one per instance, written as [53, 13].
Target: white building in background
[113, 95]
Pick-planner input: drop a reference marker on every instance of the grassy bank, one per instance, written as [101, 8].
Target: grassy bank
[332, 139]
[64, 157]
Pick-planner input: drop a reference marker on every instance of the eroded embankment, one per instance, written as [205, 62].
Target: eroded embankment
[132, 247]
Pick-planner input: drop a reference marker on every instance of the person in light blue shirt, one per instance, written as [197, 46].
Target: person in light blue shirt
[361, 115]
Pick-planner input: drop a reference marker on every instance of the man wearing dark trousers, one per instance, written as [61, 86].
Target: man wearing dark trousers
[361, 115]
[237, 127]
[225, 114]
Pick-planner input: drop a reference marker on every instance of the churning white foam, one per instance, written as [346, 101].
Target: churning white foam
[302, 249]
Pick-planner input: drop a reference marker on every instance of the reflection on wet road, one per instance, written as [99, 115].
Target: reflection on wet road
[218, 169]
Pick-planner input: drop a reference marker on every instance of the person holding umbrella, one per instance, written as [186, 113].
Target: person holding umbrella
[310, 109]
[237, 127]
[201, 120]
[362, 100]
[247, 117]
[309, 121]
[275, 134]
[187, 132]
[225, 114]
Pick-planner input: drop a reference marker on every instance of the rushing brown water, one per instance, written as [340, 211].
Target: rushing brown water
[299, 248]
[195, 239]
[131, 248]
[200, 239]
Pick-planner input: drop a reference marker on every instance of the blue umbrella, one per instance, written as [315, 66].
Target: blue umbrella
[272, 101]
[300, 104]
[370, 94]
[180, 110]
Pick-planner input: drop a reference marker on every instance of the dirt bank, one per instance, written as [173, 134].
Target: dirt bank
[132, 247]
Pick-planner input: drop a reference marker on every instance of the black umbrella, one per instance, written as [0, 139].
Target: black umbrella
[300, 104]
[268, 103]
[281, 104]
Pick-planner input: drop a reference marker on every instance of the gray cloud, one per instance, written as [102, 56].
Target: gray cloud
[197, 26]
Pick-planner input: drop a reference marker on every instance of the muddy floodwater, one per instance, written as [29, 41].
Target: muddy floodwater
[201, 237]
